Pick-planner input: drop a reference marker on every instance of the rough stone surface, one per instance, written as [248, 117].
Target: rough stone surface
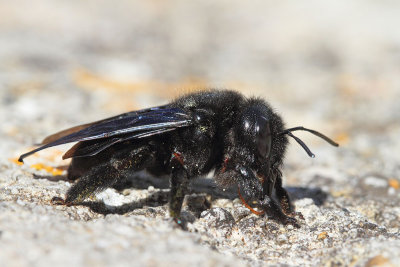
[332, 66]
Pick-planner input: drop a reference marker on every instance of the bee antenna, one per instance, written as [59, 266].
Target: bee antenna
[320, 135]
[300, 142]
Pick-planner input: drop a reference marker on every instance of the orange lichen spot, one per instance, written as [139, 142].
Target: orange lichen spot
[122, 93]
[348, 86]
[394, 183]
[342, 193]
[49, 169]
[186, 86]
[378, 260]
[53, 155]
[92, 81]
[15, 160]
[11, 130]
[322, 236]
[342, 138]
[40, 167]
[57, 172]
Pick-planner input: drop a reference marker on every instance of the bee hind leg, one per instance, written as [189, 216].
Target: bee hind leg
[106, 174]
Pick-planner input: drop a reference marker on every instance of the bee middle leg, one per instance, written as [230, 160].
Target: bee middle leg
[179, 186]
[108, 173]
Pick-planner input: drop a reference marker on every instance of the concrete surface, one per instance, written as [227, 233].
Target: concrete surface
[331, 66]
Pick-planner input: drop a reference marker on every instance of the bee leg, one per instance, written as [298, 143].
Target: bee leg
[106, 174]
[252, 189]
[275, 212]
[98, 178]
[79, 166]
[179, 184]
[282, 194]
[284, 198]
[249, 185]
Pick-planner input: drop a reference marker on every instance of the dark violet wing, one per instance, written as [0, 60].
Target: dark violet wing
[144, 122]
[63, 133]
[93, 147]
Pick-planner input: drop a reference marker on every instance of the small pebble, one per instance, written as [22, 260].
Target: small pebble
[151, 188]
[282, 239]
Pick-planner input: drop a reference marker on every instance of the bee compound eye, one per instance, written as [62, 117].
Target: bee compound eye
[263, 138]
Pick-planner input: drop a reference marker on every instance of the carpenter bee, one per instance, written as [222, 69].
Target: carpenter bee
[242, 139]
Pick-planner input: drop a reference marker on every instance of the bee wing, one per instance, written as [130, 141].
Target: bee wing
[93, 147]
[63, 133]
[129, 125]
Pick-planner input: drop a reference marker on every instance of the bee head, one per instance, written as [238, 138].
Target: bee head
[254, 131]
[260, 131]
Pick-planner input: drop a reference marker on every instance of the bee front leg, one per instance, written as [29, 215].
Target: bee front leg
[275, 212]
[252, 190]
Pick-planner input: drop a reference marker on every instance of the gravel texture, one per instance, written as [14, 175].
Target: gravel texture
[332, 66]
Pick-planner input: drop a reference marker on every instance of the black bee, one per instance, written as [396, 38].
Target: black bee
[242, 139]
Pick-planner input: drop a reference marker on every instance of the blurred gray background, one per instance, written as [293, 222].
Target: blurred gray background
[333, 66]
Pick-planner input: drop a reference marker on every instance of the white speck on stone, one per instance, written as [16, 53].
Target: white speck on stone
[323, 173]
[111, 197]
[375, 181]
[102, 244]
[14, 191]
[353, 233]
[80, 211]
[391, 191]
[282, 239]
[20, 202]
[203, 213]
[304, 202]
[150, 188]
